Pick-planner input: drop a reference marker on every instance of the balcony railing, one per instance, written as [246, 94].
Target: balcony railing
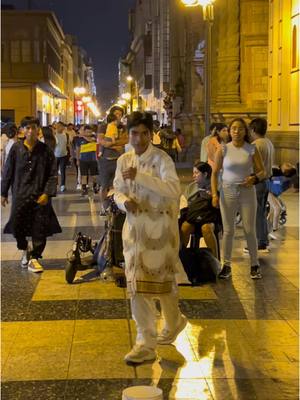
[56, 80]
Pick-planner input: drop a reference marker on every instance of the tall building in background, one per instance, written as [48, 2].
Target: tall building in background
[254, 46]
[239, 74]
[38, 75]
[283, 95]
[83, 78]
[148, 60]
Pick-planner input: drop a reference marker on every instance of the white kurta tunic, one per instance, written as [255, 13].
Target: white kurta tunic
[150, 236]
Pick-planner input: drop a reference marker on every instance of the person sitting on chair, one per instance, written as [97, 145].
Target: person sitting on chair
[197, 214]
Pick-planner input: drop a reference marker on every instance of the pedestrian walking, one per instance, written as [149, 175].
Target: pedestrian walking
[61, 153]
[30, 171]
[48, 137]
[147, 188]
[87, 158]
[74, 144]
[156, 139]
[219, 136]
[203, 150]
[10, 130]
[242, 168]
[170, 144]
[258, 130]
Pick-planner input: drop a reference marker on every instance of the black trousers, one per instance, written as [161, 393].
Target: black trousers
[38, 245]
[62, 165]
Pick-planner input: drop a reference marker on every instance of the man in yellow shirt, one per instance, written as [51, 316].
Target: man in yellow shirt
[112, 142]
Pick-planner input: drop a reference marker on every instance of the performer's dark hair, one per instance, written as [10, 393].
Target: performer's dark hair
[29, 121]
[137, 118]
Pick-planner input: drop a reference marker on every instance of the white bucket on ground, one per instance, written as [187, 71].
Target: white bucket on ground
[142, 393]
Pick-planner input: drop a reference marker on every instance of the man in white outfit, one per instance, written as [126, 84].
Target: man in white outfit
[147, 188]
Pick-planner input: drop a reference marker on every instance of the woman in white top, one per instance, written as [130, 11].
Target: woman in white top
[242, 168]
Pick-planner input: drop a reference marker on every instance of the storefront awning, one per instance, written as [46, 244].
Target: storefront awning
[47, 87]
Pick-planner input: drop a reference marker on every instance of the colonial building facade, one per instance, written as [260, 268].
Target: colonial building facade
[37, 66]
[167, 60]
[283, 95]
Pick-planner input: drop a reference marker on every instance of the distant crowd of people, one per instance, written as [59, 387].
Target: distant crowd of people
[136, 158]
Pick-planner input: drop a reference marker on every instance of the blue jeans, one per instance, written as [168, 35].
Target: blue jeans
[261, 214]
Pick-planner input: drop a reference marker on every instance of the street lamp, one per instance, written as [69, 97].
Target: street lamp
[208, 16]
[129, 79]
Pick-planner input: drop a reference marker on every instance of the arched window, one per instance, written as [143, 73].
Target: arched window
[294, 47]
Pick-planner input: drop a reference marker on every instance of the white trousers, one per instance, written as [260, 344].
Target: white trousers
[144, 314]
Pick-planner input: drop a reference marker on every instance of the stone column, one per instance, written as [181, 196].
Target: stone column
[229, 54]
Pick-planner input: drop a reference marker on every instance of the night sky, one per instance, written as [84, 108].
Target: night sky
[102, 30]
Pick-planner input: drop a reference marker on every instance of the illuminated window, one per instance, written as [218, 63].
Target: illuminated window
[294, 47]
[15, 51]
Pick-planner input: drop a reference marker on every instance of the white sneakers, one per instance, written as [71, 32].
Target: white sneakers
[78, 187]
[25, 257]
[62, 188]
[34, 266]
[139, 354]
[31, 263]
[167, 337]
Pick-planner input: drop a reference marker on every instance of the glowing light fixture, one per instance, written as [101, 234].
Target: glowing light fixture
[86, 99]
[129, 78]
[126, 96]
[79, 90]
[121, 102]
[93, 108]
[194, 3]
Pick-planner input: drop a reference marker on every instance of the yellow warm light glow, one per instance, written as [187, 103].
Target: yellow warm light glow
[126, 96]
[79, 90]
[190, 3]
[45, 99]
[93, 108]
[86, 99]
[129, 78]
[194, 3]
[205, 2]
[121, 102]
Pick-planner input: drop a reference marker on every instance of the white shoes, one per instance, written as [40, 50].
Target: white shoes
[25, 257]
[35, 266]
[139, 354]
[78, 187]
[62, 188]
[167, 337]
[272, 236]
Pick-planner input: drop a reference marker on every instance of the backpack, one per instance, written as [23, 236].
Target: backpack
[200, 265]
[201, 211]
[278, 184]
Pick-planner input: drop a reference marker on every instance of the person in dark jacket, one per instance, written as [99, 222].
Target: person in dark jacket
[30, 171]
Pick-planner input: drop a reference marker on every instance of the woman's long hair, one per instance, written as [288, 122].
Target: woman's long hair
[244, 123]
[49, 137]
[219, 126]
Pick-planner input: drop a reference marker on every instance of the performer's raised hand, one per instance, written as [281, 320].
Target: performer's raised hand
[131, 206]
[129, 173]
[4, 201]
